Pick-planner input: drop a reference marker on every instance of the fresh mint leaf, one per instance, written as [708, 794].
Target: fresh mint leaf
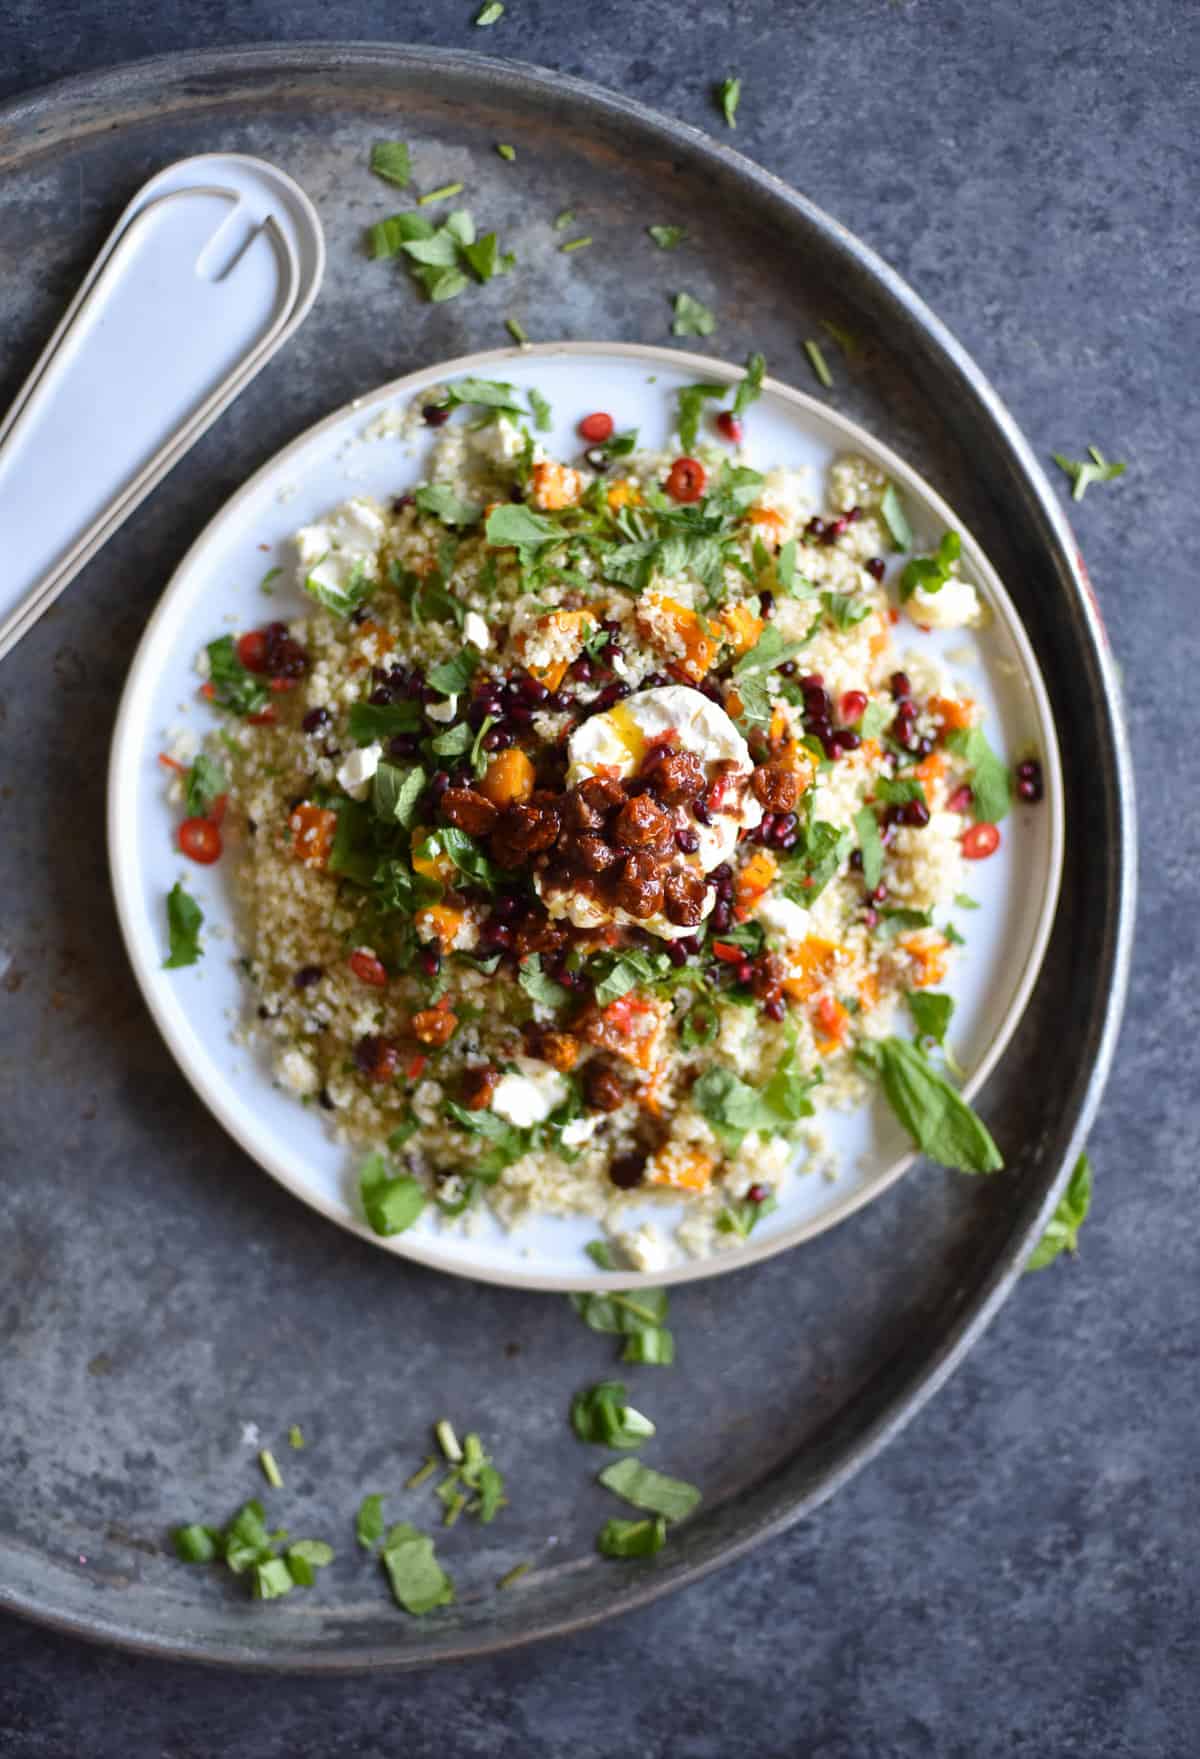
[196, 1544]
[866, 827]
[452, 677]
[441, 500]
[391, 1202]
[540, 988]
[271, 1579]
[734, 1107]
[234, 688]
[632, 1538]
[484, 258]
[370, 722]
[690, 401]
[892, 512]
[601, 1253]
[305, 1558]
[469, 858]
[692, 319]
[1062, 1233]
[396, 794]
[846, 610]
[875, 718]
[750, 387]
[486, 394]
[453, 742]
[206, 782]
[768, 652]
[543, 415]
[245, 1540]
[339, 598]
[630, 970]
[938, 1119]
[742, 1217]
[991, 783]
[667, 237]
[441, 284]
[390, 159]
[521, 527]
[898, 790]
[419, 1582]
[184, 920]
[647, 1489]
[930, 573]
[368, 1523]
[931, 1013]
[1083, 473]
[602, 1415]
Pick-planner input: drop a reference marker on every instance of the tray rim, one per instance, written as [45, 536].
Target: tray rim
[425, 1249]
[916, 1386]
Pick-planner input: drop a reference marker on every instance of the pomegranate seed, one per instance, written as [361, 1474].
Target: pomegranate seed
[879, 894]
[788, 669]
[315, 719]
[200, 840]
[676, 954]
[846, 739]
[376, 1058]
[980, 841]
[252, 650]
[744, 972]
[597, 428]
[870, 917]
[307, 976]
[875, 567]
[435, 415]
[757, 1194]
[960, 800]
[431, 960]
[815, 528]
[722, 916]
[766, 604]
[687, 841]
[729, 427]
[914, 813]
[1029, 789]
[775, 1008]
[900, 685]
[853, 706]
[856, 860]
[686, 480]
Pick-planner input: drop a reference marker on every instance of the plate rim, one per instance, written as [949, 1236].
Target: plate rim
[921, 1372]
[124, 754]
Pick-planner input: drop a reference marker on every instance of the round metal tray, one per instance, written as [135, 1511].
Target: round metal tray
[161, 1294]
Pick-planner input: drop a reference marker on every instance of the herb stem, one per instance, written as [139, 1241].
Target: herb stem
[270, 1468]
[818, 363]
[421, 1474]
[437, 195]
[448, 1441]
[575, 244]
[514, 1575]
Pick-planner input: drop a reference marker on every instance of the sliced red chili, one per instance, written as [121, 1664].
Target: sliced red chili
[172, 763]
[216, 812]
[980, 841]
[367, 968]
[728, 952]
[266, 717]
[686, 480]
[200, 840]
[596, 428]
[729, 427]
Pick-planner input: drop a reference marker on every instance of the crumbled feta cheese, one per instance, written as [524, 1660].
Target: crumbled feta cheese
[579, 1131]
[779, 916]
[295, 1071]
[332, 551]
[646, 1249]
[476, 632]
[443, 711]
[955, 605]
[356, 771]
[529, 1096]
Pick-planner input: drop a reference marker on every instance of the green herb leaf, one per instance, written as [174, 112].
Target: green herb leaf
[246, 1541]
[564, 219]
[768, 652]
[505, 151]
[729, 96]
[750, 387]
[650, 1490]
[234, 688]
[866, 827]
[991, 783]
[517, 331]
[1062, 1234]
[931, 573]
[307, 1556]
[652, 1347]
[846, 610]
[630, 970]
[603, 1415]
[543, 418]
[205, 781]
[667, 237]
[898, 790]
[271, 1579]
[452, 677]
[891, 511]
[700, 1025]
[368, 1523]
[875, 718]
[441, 284]
[453, 742]
[469, 858]
[196, 1544]
[938, 1119]
[1083, 473]
[540, 988]
[390, 160]
[637, 1316]
[691, 400]
[601, 1253]
[295, 1436]
[931, 1013]
[441, 500]
[522, 527]
[419, 1582]
[965, 901]
[785, 566]
[734, 1108]
[632, 1538]
[396, 794]
[372, 723]
[439, 195]
[742, 1217]
[391, 1202]
[818, 363]
[484, 257]
[270, 1468]
[184, 919]
[692, 319]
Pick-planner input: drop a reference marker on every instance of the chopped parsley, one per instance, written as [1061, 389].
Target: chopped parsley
[667, 237]
[390, 159]
[938, 1119]
[1062, 1232]
[1084, 472]
[729, 96]
[184, 920]
[691, 318]
[368, 1523]
[233, 687]
[206, 782]
[750, 387]
[247, 1549]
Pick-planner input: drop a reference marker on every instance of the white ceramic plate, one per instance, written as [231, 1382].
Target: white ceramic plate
[216, 588]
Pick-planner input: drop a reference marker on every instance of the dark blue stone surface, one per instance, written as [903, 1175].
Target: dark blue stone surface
[1017, 1574]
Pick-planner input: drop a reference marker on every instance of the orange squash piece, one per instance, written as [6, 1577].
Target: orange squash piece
[313, 829]
[951, 715]
[555, 486]
[577, 623]
[830, 1021]
[698, 644]
[623, 494]
[435, 866]
[814, 962]
[629, 1027]
[930, 958]
[751, 882]
[768, 525]
[931, 769]
[440, 922]
[742, 627]
[508, 779]
[682, 1168]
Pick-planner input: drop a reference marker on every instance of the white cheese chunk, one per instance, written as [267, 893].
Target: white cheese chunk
[779, 916]
[294, 1070]
[579, 1131]
[646, 1249]
[530, 1095]
[476, 632]
[954, 606]
[345, 543]
[356, 771]
[443, 711]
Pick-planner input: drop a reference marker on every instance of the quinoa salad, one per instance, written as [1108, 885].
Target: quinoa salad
[597, 825]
